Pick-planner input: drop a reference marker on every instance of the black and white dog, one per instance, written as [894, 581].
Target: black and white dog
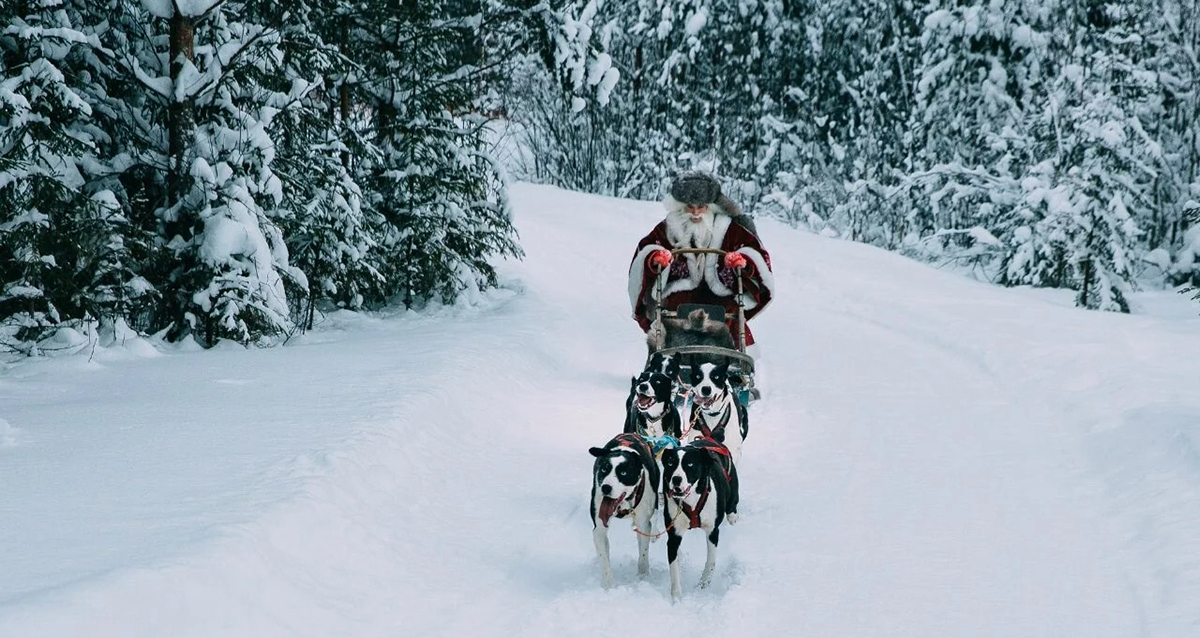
[716, 412]
[700, 486]
[650, 408]
[625, 479]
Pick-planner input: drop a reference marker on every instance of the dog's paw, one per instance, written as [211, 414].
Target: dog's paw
[731, 518]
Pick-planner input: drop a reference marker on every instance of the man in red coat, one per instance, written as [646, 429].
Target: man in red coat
[699, 216]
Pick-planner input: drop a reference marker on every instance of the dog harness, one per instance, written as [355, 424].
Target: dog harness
[634, 411]
[694, 514]
[724, 461]
[636, 497]
[635, 443]
[660, 443]
[724, 458]
[643, 430]
[698, 420]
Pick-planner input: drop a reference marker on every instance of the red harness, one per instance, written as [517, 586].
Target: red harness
[639, 445]
[637, 498]
[698, 421]
[694, 514]
[636, 442]
[725, 462]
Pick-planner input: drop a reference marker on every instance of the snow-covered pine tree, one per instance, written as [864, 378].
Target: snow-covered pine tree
[317, 145]
[1191, 255]
[53, 234]
[1185, 267]
[838, 76]
[1101, 172]
[108, 268]
[199, 168]
[1105, 159]
[1172, 48]
[690, 96]
[554, 89]
[443, 209]
[978, 81]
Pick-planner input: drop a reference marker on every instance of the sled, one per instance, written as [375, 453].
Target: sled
[741, 365]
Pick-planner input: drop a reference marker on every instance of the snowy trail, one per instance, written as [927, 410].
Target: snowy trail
[933, 502]
[923, 464]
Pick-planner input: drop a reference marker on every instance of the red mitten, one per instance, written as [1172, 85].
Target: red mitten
[736, 261]
[661, 258]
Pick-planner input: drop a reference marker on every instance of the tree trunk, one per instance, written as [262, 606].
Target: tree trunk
[344, 109]
[344, 93]
[1085, 291]
[638, 69]
[182, 48]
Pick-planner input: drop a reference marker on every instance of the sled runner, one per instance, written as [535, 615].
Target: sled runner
[682, 332]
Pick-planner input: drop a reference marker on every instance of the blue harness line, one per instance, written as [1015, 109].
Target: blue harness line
[660, 443]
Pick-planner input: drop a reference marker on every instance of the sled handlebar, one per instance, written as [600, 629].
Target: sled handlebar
[693, 251]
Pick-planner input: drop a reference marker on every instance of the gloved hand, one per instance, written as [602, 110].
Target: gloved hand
[735, 261]
[661, 258]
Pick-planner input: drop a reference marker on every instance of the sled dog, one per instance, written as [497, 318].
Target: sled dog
[625, 479]
[700, 489]
[716, 412]
[650, 408]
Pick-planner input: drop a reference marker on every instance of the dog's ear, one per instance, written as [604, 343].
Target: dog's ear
[718, 435]
[598, 451]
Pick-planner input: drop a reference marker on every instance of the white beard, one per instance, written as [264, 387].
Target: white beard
[685, 233]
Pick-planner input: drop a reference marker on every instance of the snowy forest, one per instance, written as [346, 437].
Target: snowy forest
[225, 169]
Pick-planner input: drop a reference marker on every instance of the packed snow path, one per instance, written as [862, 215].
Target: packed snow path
[932, 457]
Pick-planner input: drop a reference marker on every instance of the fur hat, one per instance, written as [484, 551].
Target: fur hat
[696, 189]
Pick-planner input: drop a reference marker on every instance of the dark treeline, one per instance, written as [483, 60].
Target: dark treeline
[1046, 143]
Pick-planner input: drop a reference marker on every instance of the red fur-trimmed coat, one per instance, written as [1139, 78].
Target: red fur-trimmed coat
[702, 278]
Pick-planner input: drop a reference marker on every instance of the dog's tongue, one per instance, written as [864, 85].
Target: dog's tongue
[608, 507]
[644, 401]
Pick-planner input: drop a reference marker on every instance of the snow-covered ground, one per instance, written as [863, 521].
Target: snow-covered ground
[933, 457]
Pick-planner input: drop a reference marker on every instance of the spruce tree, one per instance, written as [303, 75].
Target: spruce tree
[48, 221]
[442, 209]
[201, 110]
[328, 233]
[1105, 156]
